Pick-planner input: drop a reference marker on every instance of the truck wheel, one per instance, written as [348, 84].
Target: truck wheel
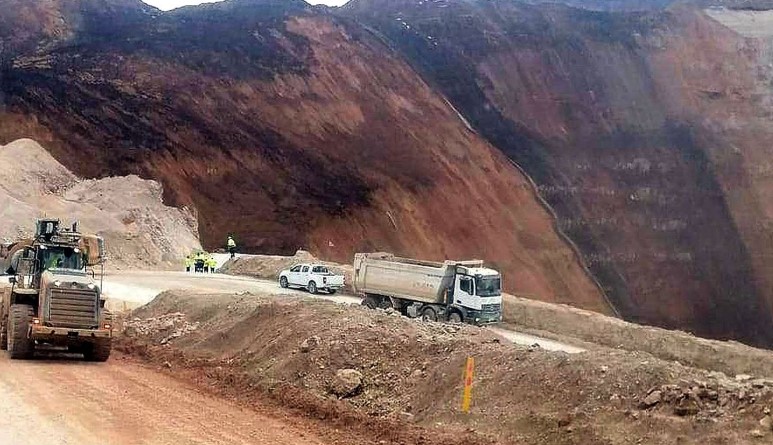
[20, 346]
[455, 317]
[385, 303]
[283, 283]
[97, 352]
[312, 287]
[331, 291]
[429, 314]
[370, 302]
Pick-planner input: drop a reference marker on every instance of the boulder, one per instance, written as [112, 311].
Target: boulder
[347, 383]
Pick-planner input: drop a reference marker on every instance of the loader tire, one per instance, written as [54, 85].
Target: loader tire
[97, 352]
[20, 346]
[107, 317]
[3, 338]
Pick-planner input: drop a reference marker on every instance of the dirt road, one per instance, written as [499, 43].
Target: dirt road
[132, 289]
[121, 403]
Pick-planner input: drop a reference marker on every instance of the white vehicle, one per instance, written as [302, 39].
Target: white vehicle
[313, 277]
[455, 291]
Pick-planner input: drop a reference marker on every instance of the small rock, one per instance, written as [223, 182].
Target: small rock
[604, 369]
[743, 377]
[757, 433]
[686, 407]
[347, 383]
[652, 399]
[767, 423]
[406, 416]
[632, 414]
[309, 344]
[564, 420]
[167, 365]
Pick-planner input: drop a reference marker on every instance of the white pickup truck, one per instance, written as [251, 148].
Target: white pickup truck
[313, 277]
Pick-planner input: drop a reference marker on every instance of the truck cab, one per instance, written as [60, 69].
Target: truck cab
[477, 293]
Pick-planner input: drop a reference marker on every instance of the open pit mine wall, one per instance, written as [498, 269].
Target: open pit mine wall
[648, 132]
[286, 126]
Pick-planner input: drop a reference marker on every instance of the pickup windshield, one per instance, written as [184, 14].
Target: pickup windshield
[488, 286]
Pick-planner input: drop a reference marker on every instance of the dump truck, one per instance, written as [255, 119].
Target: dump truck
[54, 299]
[454, 291]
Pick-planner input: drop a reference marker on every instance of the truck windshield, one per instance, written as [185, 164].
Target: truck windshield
[488, 286]
[61, 258]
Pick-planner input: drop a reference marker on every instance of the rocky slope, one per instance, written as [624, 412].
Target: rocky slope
[648, 131]
[279, 123]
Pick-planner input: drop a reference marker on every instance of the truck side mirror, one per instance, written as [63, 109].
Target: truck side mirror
[12, 280]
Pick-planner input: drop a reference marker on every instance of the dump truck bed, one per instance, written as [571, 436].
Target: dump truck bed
[388, 275]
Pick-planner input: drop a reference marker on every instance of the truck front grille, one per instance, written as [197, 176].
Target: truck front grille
[73, 308]
[491, 308]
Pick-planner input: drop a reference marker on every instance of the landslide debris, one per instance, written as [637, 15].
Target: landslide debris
[384, 366]
[281, 123]
[647, 133]
[139, 230]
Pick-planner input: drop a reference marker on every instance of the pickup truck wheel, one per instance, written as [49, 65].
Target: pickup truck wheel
[312, 287]
[455, 317]
[283, 283]
[20, 346]
[429, 314]
[331, 291]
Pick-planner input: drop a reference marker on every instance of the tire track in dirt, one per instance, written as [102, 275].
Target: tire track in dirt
[120, 403]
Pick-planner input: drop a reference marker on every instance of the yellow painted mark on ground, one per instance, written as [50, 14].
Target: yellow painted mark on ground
[468, 373]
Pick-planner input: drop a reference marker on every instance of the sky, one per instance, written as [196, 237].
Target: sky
[166, 5]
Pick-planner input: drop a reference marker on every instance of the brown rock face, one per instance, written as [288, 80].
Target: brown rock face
[284, 125]
[649, 133]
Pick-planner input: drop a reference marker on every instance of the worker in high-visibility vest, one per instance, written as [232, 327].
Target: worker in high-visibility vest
[198, 262]
[231, 246]
[212, 263]
[188, 263]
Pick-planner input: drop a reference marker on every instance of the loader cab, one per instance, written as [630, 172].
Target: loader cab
[63, 258]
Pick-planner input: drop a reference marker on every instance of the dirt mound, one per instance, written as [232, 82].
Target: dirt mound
[410, 372]
[566, 323]
[128, 211]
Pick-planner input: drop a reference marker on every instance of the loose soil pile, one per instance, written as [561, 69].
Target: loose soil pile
[569, 324]
[400, 380]
[128, 212]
